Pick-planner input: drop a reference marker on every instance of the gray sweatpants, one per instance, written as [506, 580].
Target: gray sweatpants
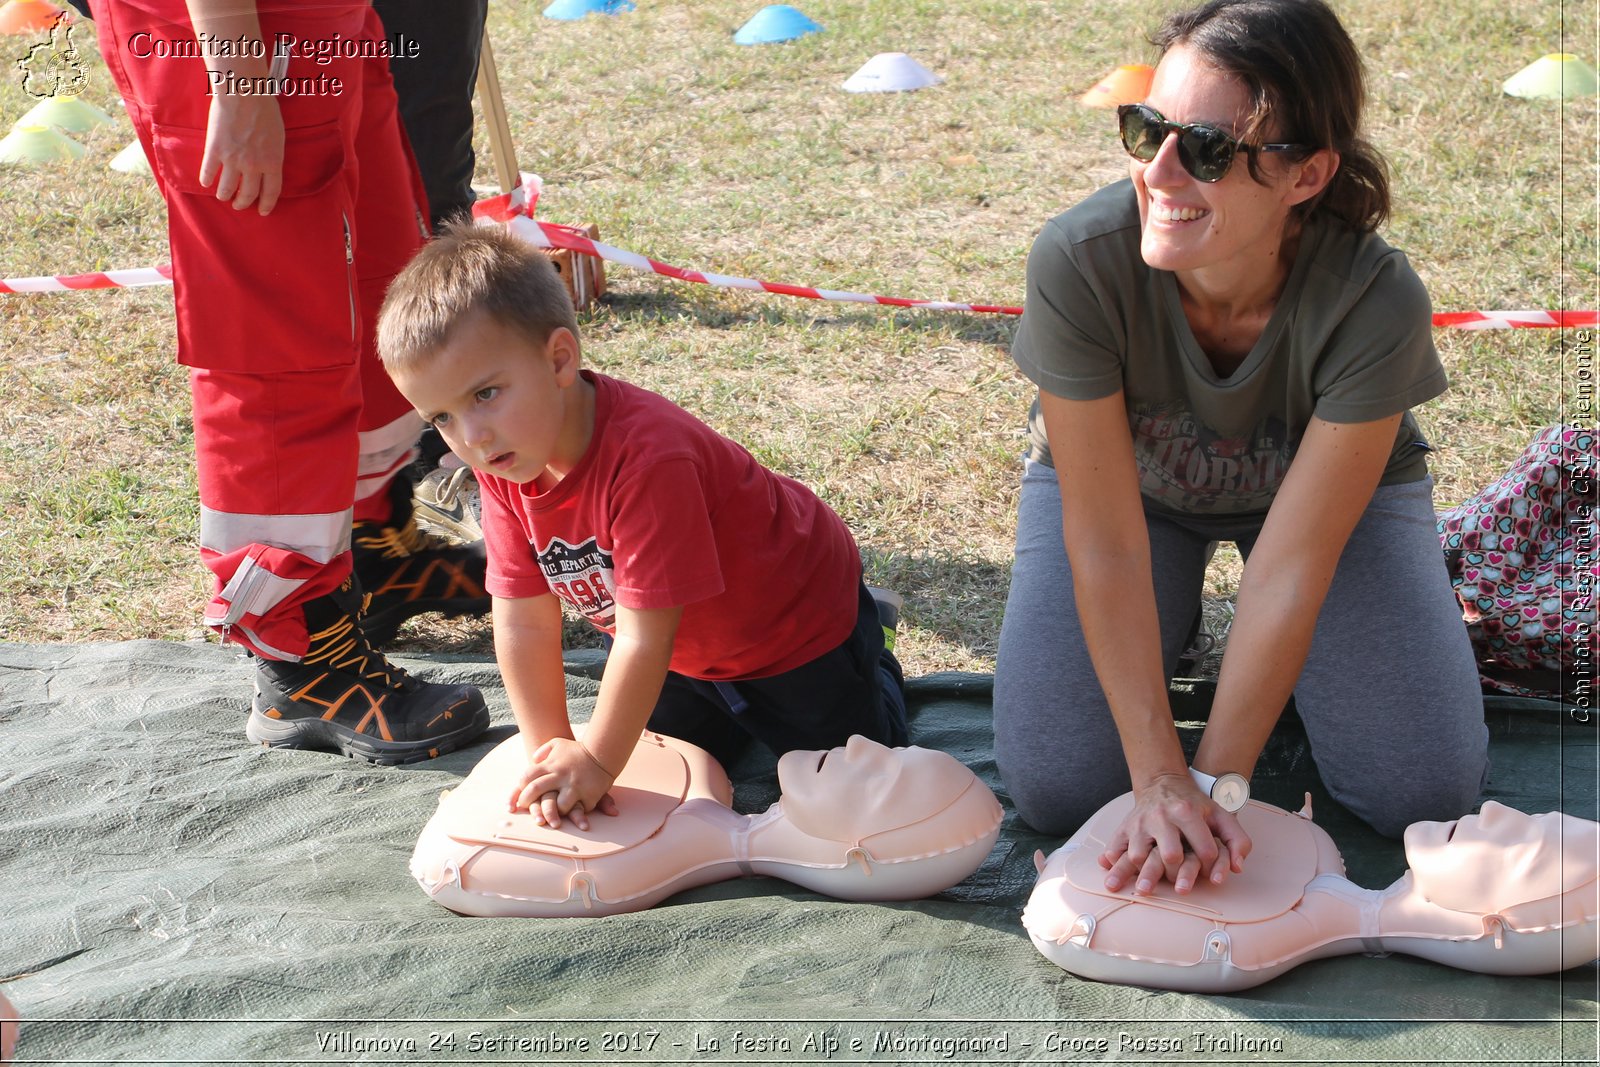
[1389, 693]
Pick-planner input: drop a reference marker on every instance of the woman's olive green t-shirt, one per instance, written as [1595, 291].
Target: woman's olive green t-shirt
[1350, 340]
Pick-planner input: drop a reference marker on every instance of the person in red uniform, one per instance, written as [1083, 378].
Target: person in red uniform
[292, 200]
[733, 595]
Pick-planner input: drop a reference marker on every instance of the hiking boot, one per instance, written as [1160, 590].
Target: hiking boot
[407, 572]
[344, 696]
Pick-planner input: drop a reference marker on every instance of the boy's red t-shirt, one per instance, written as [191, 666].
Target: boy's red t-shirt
[662, 511]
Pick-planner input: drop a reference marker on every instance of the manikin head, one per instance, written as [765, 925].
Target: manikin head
[1501, 859]
[866, 822]
[866, 789]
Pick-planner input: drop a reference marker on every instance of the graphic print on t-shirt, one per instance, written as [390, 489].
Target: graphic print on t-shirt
[1186, 466]
[581, 575]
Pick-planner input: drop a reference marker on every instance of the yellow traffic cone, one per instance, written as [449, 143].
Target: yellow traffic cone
[1558, 76]
[67, 113]
[38, 144]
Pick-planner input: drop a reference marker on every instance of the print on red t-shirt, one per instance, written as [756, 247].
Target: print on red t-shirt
[582, 576]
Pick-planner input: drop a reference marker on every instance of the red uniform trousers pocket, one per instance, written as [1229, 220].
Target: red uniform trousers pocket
[256, 293]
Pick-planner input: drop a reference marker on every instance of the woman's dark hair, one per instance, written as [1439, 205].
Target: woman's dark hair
[1302, 71]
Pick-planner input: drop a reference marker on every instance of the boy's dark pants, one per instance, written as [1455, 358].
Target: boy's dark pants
[854, 689]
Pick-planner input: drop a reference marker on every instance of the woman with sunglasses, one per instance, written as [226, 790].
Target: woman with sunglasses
[1226, 350]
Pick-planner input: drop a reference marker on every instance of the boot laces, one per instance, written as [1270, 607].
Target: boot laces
[342, 646]
[397, 542]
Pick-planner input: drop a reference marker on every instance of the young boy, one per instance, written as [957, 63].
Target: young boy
[733, 595]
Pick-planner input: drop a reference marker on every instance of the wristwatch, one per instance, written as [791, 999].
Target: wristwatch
[1229, 791]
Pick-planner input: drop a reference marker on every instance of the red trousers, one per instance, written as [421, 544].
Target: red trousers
[298, 430]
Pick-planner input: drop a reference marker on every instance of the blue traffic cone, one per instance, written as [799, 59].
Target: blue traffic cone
[568, 10]
[774, 24]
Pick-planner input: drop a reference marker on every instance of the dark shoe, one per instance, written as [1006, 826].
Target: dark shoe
[889, 604]
[346, 697]
[1196, 647]
[407, 572]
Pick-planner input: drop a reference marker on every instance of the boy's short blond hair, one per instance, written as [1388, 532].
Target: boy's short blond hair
[467, 268]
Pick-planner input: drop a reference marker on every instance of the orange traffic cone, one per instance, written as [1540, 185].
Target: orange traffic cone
[20, 17]
[1128, 84]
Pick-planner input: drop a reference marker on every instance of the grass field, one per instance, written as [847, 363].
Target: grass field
[750, 161]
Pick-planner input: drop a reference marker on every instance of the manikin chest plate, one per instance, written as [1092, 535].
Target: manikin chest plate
[1242, 898]
[652, 785]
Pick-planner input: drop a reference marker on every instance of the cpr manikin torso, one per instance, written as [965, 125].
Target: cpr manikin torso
[862, 822]
[1499, 892]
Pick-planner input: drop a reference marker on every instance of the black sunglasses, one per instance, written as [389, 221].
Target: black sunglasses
[1205, 151]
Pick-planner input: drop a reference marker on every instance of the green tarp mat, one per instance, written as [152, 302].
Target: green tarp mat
[173, 895]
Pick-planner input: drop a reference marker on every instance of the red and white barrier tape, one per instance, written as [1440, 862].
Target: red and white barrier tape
[1499, 320]
[111, 279]
[515, 211]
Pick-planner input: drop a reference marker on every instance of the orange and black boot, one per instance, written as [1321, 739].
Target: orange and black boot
[407, 572]
[344, 696]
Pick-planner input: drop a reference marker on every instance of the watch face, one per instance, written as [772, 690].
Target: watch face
[1230, 792]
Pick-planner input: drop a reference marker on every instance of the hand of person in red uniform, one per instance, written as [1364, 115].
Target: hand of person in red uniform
[244, 132]
[244, 151]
